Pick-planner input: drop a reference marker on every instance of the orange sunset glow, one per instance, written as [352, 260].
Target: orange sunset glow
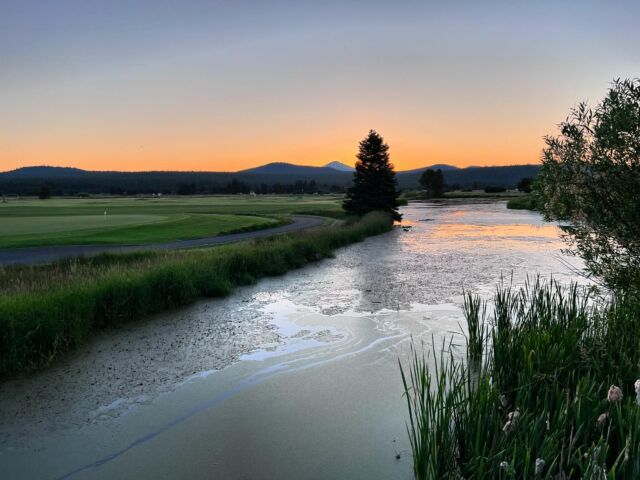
[217, 88]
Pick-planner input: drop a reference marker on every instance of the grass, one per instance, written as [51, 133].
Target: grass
[76, 221]
[123, 229]
[526, 202]
[328, 205]
[534, 403]
[47, 310]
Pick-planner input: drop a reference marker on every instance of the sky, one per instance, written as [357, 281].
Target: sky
[227, 85]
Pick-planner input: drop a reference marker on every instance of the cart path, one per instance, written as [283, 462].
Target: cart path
[34, 255]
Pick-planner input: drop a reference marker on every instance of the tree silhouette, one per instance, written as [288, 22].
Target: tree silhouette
[374, 181]
[433, 183]
[591, 176]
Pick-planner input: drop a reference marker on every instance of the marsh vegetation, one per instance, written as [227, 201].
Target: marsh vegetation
[551, 393]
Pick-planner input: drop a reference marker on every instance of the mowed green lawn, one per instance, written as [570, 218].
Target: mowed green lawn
[140, 220]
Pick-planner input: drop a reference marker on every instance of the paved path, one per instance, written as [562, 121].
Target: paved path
[33, 255]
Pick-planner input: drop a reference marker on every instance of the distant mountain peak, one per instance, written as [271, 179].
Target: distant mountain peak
[339, 166]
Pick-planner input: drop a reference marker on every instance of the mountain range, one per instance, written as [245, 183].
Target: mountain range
[332, 177]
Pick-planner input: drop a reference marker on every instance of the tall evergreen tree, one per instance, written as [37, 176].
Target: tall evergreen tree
[374, 181]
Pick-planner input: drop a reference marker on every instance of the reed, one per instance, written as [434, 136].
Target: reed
[475, 313]
[540, 404]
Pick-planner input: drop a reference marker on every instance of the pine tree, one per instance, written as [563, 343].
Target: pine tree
[374, 181]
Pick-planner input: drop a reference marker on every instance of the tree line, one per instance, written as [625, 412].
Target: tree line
[46, 189]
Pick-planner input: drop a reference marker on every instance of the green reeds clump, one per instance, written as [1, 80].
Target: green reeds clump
[475, 314]
[553, 397]
[49, 309]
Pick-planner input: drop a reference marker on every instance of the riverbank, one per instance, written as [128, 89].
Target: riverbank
[419, 195]
[50, 309]
[524, 202]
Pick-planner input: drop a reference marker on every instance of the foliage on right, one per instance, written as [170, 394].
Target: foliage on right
[590, 176]
[550, 384]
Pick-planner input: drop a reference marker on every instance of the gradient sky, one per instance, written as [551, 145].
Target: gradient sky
[225, 85]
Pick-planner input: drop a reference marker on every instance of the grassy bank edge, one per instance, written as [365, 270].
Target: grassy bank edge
[525, 202]
[38, 327]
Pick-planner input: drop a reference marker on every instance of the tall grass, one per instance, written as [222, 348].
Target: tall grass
[47, 310]
[540, 404]
[475, 311]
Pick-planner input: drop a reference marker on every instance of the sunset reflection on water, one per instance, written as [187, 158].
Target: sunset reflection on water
[438, 228]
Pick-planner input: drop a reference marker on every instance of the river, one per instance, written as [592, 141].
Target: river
[295, 377]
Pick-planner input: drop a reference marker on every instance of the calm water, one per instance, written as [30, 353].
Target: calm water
[296, 377]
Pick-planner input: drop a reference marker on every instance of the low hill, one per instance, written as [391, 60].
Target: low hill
[438, 166]
[474, 177]
[43, 171]
[281, 168]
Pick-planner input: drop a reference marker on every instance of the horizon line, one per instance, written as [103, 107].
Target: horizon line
[262, 165]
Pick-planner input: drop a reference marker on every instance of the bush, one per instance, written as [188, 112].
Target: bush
[525, 202]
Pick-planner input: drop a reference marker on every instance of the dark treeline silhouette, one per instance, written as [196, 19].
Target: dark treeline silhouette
[238, 186]
[78, 182]
[474, 177]
[272, 178]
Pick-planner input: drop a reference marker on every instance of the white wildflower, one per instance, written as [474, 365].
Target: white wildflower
[540, 464]
[636, 386]
[602, 420]
[504, 465]
[614, 395]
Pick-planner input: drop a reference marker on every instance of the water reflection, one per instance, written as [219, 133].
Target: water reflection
[482, 228]
[482, 232]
